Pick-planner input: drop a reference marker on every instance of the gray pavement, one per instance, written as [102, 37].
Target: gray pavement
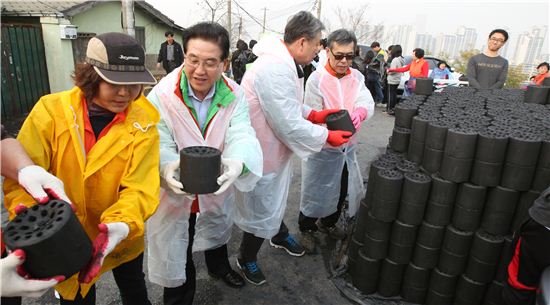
[290, 280]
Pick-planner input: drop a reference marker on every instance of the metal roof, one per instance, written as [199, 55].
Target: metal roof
[38, 8]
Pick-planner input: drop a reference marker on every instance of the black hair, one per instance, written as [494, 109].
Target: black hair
[168, 33]
[375, 44]
[419, 53]
[210, 31]
[500, 31]
[241, 45]
[442, 62]
[252, 43]
[396, 51]
[369, 56]
[324, 43]
[544, 64]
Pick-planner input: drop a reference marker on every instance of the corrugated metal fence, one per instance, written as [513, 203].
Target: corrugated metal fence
[24, 72]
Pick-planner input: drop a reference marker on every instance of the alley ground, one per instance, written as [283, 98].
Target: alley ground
[290, 280]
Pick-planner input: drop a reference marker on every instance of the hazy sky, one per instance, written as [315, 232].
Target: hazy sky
[428, 16]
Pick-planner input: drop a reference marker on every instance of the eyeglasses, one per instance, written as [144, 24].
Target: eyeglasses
[208, 64]
[497, 40]
[341, 56]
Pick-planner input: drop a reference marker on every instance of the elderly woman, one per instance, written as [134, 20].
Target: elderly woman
[100, 140]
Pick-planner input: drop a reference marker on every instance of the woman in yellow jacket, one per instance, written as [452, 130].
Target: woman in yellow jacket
[100, 139]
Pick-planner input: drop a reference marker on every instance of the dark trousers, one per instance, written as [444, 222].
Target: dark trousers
[130, 280]
[308, 223]
[531, 255]
[216, 262]
[170, 66]
[392, 96]
[250, 245]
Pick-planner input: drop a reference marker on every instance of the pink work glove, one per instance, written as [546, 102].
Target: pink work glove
[357, 117]
[16, 282]
[319, 117]
[109, 236]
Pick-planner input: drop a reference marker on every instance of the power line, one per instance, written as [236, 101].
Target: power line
[256, 20]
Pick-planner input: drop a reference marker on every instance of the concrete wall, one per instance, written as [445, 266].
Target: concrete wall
[105, 17]
[59, 54]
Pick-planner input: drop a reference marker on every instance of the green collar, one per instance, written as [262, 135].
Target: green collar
[222, 98]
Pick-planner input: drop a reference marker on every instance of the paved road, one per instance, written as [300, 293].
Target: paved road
[291, 280]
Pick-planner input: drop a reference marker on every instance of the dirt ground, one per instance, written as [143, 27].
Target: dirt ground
[290, 280]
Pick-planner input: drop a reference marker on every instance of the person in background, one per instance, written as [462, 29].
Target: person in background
[357, 62]
[385, 86]
[239, 59]
[489, 70]
[419, 67]
[372, 77]
[322, 54]
[377, 64]
[41, 185]
[530, 255]
[170, 54]
[542, 69]
[100, 139]
[333, 174]
[199, 107]
[284, 126]
[251, 57]
[441, 71]
[394, 78]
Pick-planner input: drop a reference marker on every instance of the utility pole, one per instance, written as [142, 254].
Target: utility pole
[229, 20]
[265, 9]
[240, 26]
[128, 20]
[319, 9]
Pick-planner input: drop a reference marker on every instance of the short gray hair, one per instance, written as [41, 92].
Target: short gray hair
[303, 24]
[342, 37]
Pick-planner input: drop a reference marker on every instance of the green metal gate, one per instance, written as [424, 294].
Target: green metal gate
[24, 72]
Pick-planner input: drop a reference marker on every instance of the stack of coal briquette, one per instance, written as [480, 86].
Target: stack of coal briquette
[462, 169]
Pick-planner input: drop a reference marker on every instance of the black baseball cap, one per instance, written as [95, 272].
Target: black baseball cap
[119, 59]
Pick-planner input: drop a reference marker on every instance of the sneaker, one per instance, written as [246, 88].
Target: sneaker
[290, 245]
[252, 273]
[380, 105]
[334, 231]
[307, 240]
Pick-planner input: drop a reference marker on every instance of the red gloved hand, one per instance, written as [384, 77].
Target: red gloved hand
[338, 137]
[109, 236]
[319, 117]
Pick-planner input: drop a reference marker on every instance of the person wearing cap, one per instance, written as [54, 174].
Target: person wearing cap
[333, 174]
[100, 139]
[199, 106]
[274, 88]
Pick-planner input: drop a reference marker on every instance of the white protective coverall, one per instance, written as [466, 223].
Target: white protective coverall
[275, 95]
[229, 130]
[322, 172]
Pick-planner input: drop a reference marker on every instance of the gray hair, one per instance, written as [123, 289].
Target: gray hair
[341, 37]
[303, 24]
